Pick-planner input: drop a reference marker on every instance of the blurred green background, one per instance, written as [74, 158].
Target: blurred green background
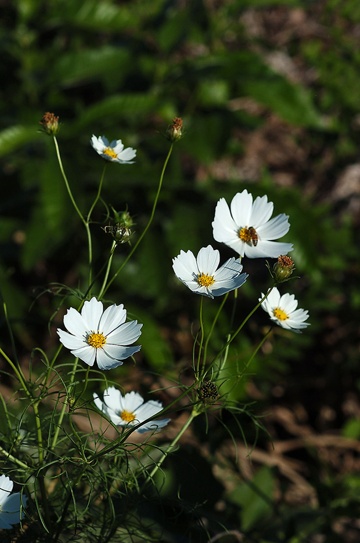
[268, 92]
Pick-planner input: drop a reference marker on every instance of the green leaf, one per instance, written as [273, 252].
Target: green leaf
[14, 137]
[291, 102]
[255, 497]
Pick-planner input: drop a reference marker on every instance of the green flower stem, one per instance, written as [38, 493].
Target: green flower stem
[12, 458]
[213, 327]
[97, 197]
[233, 336]
[83, 220]
[35, 405]
[65, 404]
[261, 343]
[107, 272]
[148, 224]
[202, 332]
[18, 373]
[172, 445]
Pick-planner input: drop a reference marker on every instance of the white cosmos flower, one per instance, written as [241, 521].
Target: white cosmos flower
[246, 228]
[113, 151]
[282, 310]
[130, 410]
[10, 505]
[202, 275]
[104, 336]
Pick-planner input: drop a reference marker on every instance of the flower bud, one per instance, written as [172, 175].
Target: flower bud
[121, 231]
[50, 124]
[174, 130]
[283, 268]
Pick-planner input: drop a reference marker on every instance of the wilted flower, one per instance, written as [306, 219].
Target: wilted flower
[100, 335]
[202, 276]
[130, 410]
[113, 151]
[282, 310]
[246, 228]
[10, 505]
[50, 124]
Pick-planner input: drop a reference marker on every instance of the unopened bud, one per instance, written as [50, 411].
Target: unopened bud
[50, 124]
[121, 230]
[283, 268]
[174, 130]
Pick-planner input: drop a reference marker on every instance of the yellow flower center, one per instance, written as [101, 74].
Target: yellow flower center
[280, 314]
[205, 280]
[96, 340]
[249, 235]
[127, 416]
[110, 152]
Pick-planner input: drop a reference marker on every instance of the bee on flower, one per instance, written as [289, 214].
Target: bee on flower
[246, 226]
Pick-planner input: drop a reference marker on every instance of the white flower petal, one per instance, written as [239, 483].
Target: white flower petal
[91, 313]
[71, 342]
[185, 266]
[117, 352]
[241, 209]
[6, 486]
[86, 353]
[74, 323]
[261, 212]
[125, 334]
[132, 401]
[208, 260]
[224, 226]
[112, 397]
[112, 318]
[267, 249]
[107, 362]
[127, 155]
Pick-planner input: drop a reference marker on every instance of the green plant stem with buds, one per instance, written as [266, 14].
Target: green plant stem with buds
[152, 214]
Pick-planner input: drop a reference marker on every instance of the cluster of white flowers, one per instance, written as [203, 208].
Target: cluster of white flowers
[246, 226]
[105, 336]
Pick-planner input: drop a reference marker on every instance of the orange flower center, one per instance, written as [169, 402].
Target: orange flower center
[280, 314]
[127, 416]
[205, 280]
[110, 152]
[96, 340]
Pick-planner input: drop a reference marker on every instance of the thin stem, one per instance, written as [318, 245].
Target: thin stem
[213, 326]
[97, 197]
[65, 404]
[67, 182]
[107, 272]
[148, 224]
[18, 374]
[201, 321]
[12, 458]
[172, 445]
[83, 220]
[233, 336]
